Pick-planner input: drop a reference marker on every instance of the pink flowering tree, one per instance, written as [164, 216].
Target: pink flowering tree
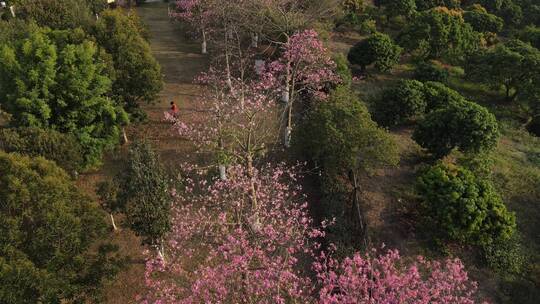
[305, 66]
[198, 14]
[224, 248]
[388, 278]
[237, 129]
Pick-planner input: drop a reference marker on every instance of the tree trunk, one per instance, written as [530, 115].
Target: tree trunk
[204, 51]
[222, 172]
[161, 251]
[12, 10]
[113, 223]
[124, 135]
[254, 40]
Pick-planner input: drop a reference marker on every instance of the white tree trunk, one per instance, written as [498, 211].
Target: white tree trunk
[203, 46]
[161, 251]
[125, 136]
[222, 172]
[113, 223]
[285, 95]
[287, 139]
[254, 40]
[12, 10]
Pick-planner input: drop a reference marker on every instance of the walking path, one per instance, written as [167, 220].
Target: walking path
[181, 61]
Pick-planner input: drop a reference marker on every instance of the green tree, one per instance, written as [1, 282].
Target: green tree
[439, 32]
[427, 4]
[378, 49]
[428, 71]
[467, 126]
[48, 233]
[395, 8]
[483, 21]
[62, 87]
[531, 34]
[56, 14]
[513, 65]
[61, 148]
[401, 103]
[339, 135]
[138, 74]
[460, 206]
[143, 195]
[438, 96]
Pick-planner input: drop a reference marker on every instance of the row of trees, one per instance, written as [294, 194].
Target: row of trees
[241, 237]
[69, 83]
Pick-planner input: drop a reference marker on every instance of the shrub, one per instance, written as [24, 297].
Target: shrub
[378, 49]
[427, 71]
[505, 256]
[438, 96]
[460, 206]
[58, 147]
[467, 126]
[402, 103]
[49, 232]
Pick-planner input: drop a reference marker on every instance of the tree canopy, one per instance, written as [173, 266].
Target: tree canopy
[467, 126]
[378, 49]
[47, 82]
[138, 74]
[47, 228]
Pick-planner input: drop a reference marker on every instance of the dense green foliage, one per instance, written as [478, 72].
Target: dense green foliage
[460, 206]
[339, 135]
[52, 145]
[138, 75]
[466, 126]
[531, 34]
[399, 7]
[61, 86]
[439, 32]
[427, 4]
[47, 228]
[143, 194]
[439, 96]
[343, 70]
[514, 65]
[401, 103]
[427, 71]
[378, 49]
[56, 14]
[483, 21]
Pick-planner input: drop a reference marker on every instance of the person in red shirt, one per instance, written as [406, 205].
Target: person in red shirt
[174, 110]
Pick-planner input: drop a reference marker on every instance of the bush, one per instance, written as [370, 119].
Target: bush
[49, 232]
[426, 71]
[402, 103]
[467, 126]
[505, 256]
[60, 148]
[378, 49]
[438, 96]
[460, 206]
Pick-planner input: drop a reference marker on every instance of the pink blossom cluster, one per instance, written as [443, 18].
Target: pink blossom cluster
[223, 249]
[388, 278]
